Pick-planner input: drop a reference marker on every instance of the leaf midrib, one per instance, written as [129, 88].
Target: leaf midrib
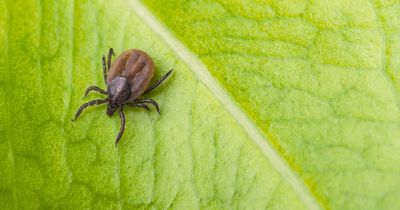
[226, 100]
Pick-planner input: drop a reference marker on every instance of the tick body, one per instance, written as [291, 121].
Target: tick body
[127, 80]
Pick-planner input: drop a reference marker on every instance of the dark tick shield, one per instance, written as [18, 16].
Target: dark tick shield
[127, 80]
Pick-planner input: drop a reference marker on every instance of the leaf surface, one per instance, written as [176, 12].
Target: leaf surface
[318, 79]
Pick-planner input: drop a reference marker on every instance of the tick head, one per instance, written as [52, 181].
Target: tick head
[118, 92]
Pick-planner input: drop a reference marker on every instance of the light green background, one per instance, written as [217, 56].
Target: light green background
[318, 78]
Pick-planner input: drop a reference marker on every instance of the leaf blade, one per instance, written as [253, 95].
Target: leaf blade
[60, 164]
[326, 86]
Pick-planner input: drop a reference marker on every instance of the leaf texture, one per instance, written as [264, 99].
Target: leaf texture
[319, 79]
[193, 155]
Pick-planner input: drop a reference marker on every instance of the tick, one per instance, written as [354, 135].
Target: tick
[127, 80]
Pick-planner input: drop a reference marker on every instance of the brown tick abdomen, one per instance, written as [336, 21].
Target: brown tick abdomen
[137, 67]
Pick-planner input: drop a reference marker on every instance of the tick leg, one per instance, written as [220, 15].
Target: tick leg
[103, 61]
[144, 106]
[88, 104]
[94, 88]
[110, 53]
[157, 83]
[121, 130]
[151, 101]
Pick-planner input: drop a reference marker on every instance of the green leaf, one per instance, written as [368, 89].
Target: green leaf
[272, 105]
